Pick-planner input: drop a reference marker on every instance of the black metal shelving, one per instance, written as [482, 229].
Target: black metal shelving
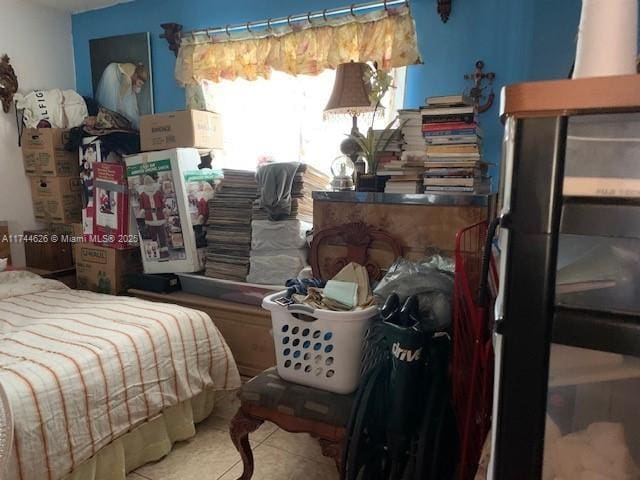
[600, 217]
[606, 331]
[536, 216]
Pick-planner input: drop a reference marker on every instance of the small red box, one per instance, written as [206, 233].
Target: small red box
[111, 211]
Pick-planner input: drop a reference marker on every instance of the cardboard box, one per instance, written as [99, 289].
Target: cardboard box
[56, 199]
[103, 269]
[200, 96]
[159, 198]
[43, 153]
[188, 128]
[111, 220]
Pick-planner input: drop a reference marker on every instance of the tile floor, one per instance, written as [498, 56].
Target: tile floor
[279, 455]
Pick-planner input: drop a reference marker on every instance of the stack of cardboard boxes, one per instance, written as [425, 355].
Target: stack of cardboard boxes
[55, 192]
[109, 251]
[170, 190]
[100, 205]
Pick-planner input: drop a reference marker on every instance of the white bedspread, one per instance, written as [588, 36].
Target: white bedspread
[82, 368]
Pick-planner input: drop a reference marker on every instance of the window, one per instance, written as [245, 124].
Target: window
[282, 119]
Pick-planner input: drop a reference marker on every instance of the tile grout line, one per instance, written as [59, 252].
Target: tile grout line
[229, 469]
[295, 454]
[139, 474]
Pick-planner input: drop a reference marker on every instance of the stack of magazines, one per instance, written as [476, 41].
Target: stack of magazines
[229, 226]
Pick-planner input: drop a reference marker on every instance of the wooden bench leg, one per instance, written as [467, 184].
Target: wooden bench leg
[239, 429]
[332, 450]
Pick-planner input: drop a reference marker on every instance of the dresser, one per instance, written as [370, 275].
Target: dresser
[419, 223]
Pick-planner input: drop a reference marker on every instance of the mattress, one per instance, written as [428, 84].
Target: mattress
[81, 369]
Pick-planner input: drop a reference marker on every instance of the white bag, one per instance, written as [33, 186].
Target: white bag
[75, 108]
[277, 266]
[286, 234]
[61, 109]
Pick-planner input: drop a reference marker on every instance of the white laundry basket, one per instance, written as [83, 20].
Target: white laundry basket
[318, 348]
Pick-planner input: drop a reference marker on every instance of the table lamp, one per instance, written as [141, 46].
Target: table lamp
[351, 96]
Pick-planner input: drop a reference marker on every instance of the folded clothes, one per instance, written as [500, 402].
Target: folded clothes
[300, 286]
[348, 290]
[345, 293]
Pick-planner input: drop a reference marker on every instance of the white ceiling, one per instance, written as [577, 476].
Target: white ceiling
[75, 6]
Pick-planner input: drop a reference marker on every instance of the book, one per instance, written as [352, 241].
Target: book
[454, 117]
[400, 172]
[449, 100]
[455, 163]
[455, 172]
[437, 110]
[404, 187]
[450, 189]
[444, 140]
[415, 177]
[428, 127]
[451, 133]
[430, 160]
[455, 181]
[453, 149]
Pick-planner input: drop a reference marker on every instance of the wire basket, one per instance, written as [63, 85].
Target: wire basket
[472, 358]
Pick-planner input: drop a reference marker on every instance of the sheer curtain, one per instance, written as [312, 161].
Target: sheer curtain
[281, 119]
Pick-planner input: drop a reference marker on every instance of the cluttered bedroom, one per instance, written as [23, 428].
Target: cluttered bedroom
[308, 239]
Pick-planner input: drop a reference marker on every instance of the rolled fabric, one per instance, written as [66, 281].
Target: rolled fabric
[607, 38]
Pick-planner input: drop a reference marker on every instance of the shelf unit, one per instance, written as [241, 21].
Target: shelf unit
[534, 215]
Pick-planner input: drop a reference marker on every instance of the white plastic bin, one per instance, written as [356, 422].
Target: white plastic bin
[319, 348]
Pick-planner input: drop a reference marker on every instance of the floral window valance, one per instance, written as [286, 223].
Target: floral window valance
[387, 37]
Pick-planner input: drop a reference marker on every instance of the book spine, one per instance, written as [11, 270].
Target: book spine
[449, 133]
[447, 126]
[448, 118]
[445, 140]
[431, 188]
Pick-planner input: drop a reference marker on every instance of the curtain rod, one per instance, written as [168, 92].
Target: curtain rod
[309, 17]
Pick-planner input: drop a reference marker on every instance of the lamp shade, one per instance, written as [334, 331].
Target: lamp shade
[351, 90]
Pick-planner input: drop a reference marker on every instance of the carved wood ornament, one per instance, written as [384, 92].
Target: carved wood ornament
[8, 83]
[444, 9]
[358, 238]
[172, 33]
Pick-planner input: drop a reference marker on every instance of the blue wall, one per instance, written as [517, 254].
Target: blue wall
[518, 39]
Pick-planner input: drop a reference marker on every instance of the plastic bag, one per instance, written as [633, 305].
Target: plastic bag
[431, 280]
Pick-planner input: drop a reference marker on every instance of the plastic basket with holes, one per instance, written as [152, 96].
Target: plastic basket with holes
[319, 348]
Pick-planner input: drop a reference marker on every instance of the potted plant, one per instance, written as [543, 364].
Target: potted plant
[370, 146]
[380, 82]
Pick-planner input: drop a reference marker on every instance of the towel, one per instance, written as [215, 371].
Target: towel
[274, 186]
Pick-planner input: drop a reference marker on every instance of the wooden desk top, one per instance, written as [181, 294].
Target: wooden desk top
[571, 97]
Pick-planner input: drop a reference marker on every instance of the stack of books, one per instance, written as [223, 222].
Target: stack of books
[306, 181]
[393, 150]
[405, 176]
[453, 146]
[229, 226]
[411, 126]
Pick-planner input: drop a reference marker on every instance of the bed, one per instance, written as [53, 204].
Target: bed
[99, 385]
